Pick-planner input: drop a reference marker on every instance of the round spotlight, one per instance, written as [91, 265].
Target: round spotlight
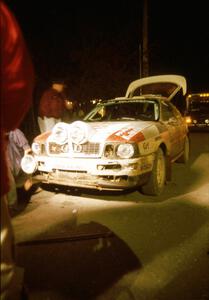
[28, 164]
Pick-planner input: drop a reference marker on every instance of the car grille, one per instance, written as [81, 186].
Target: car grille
[56, 148]
[85, 149]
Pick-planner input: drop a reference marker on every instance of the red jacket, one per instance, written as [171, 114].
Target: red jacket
[52, 104]
[17, 82]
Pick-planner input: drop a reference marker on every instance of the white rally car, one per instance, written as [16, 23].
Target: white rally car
[123, 143]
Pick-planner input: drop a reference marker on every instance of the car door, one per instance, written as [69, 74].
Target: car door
[181, 128]
[173, 122]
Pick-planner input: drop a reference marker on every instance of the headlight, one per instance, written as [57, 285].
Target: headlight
[206, 121]
[59, 134]
[36, 148]
[125, 150]
[28, 164]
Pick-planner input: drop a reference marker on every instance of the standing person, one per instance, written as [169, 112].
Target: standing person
[52, 106]
[17, 82]
[18, 145]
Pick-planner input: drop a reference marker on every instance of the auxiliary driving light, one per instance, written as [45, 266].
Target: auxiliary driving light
[28, 164]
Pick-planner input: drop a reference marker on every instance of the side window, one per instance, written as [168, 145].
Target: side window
[167, 111]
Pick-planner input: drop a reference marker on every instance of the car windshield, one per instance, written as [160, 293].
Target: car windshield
[146, 110]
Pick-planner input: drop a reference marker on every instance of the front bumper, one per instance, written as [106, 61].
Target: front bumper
[117, 183]
[93, 173]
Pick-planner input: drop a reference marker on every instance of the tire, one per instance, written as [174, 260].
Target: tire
[156, 181]
[185, 156]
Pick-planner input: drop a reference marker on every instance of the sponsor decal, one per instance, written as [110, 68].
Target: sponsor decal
[126, 135]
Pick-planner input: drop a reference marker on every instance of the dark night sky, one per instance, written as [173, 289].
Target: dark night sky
[96, 46]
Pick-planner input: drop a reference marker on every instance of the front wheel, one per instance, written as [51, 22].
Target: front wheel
[156, 181]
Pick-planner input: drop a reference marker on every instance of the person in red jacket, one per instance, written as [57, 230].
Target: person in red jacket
[17, 83]
[52, 106]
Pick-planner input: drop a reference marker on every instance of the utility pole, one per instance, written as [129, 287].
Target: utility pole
[140, 60]
[145, 52]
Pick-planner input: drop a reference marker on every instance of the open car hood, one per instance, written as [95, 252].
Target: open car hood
[162, 85]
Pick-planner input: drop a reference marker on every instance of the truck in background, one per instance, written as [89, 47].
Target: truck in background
[197, 111]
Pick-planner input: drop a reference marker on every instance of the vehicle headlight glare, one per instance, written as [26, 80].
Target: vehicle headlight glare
[28, 164]
[207, 121]
[188, 120]
[125, 150]
[36, 148]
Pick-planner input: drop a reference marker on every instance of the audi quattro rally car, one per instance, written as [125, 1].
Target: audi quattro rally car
[123, 143]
